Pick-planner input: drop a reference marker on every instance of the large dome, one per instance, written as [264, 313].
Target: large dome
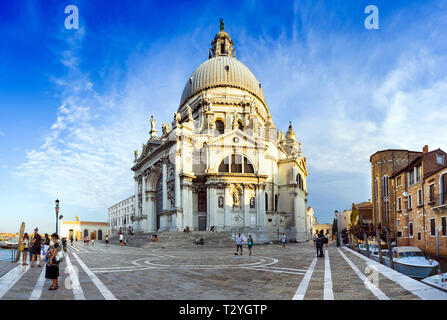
[222, 71]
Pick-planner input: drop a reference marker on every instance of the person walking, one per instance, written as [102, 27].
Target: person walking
[319, 244]
[25, 249]
[93, 242]
[36, 247]
[52, 267]
[239, 241]
[107, 240]
[283, 240]
[121, 239]
[326, 239]
[249, 244]
[315, 238]
[71, 240]
[46, 246]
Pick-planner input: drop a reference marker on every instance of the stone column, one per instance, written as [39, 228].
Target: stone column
[143, 203]
[165, 186]
[152, 215]
[212, 207]
[262, 208]
[227, 206]
[136, 223]
[246, 206]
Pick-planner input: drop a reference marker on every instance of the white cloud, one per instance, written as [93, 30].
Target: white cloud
[2, 134]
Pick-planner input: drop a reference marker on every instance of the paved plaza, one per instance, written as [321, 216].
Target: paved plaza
[272, 273]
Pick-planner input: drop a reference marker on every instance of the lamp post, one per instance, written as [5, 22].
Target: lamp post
[57, 214]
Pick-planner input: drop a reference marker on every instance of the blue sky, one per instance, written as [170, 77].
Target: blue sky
[74, 104]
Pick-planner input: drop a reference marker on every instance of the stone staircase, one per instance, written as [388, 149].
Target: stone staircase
[172, 239]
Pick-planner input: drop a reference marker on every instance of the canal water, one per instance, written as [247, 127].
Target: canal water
[5, 254]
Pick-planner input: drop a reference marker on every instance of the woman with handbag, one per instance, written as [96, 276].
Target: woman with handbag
[54, 255]
[24, 247]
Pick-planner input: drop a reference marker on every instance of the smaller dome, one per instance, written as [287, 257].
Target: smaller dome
[290, 135]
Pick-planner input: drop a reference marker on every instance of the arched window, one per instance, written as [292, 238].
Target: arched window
[300, 181]
[236, 163]
[241, 126]
[99, 234]
[201, 201]
[276, 202]
[85, 233]
[266, 202]
[220, 127]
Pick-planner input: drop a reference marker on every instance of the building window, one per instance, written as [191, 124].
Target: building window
[300, 181]
[399, 204]
[432, 227]
[443, 223]
[418, 173]
[419, 197]
[410, 175]
[201, 204]
[220, 127]
[432, 193]
[398, 222]
[276, 202]
[440, 159]
[236, 163]
[399, 234]
[398, 181]
[409, 201]
[411, 229]
[222, 47]
[419, 236]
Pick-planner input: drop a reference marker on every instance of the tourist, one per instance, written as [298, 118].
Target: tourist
[121, 239]
[46, 246]
[315, 238]
[107, 240]
[319, 244]
[36, 247]
[85, 241]
[283, 240]
[326, 239]
[249, 243]
[52, 267]
[202, 241]
[25, 243]
[93, 242]
[71, 240]
[76, 239]
[239, 241]
[88, 240]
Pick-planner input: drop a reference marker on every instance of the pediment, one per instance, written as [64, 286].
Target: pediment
[235, 138]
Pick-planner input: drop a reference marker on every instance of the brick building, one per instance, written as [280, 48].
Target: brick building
[365, 212]
[383, 164]
[420, 197]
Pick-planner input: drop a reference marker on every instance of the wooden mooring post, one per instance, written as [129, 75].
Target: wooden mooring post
[390, 249]
[379, 245]
[365, 237]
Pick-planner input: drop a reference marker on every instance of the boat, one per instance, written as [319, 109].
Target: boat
[8, 245]
[438, 281]
[375, 254]
[411, 262]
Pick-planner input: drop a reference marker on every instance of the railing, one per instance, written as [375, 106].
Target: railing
[438, 201]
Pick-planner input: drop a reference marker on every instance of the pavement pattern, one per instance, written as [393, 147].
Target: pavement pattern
[271, 273]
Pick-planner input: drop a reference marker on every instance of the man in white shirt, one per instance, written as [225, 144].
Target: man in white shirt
[239, 241]
[121, 239]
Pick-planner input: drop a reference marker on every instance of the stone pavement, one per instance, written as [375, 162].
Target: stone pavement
[271, 273]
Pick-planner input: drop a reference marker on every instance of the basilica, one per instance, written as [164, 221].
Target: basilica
[221, 164]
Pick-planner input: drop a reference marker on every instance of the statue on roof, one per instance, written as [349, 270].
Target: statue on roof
[221, 24]
[136, 154]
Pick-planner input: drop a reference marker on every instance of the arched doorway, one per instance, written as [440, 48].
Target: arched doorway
[159, 201]
[70, 234]
[85, 233]
[99, 234]
[93, 235]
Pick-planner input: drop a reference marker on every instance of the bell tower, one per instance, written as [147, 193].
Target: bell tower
[222, 45]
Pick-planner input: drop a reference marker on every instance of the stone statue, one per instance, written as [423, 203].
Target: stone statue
[152, 121]
[235, 122]
[221, 24]
[281, 136]
[236, 199]
[165, 128]
[220, 202]
[189, 111]
[177, 117]
[136, 155]
[252, 202]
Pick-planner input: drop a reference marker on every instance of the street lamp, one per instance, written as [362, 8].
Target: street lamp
[57, 213]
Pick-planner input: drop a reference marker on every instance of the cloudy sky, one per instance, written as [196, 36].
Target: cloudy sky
[74, 104]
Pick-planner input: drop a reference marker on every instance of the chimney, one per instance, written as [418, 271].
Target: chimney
[425, 149]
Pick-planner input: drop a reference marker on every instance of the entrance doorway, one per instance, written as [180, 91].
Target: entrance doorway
[202, 223]
[92, 235]
[70, 234]
[99, 234]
